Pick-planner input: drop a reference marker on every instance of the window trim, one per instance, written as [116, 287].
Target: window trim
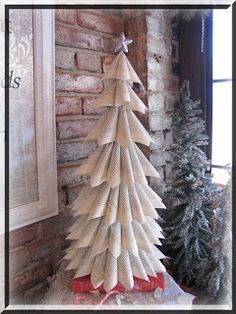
[47, 205]
[215, 81]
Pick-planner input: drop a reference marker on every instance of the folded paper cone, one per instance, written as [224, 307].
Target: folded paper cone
[98, 271]
[76, 262]
[127, 174]
[129, 242]
[124, 214]
[112, 207]
[114, 170]
[152, 235]
[120, 125]
[141, 238]
[116, 164]
[153, 197]
[111, 272]
[121, 69]
[101, 239]
[108, 130]
[89, 165]
[148, 169]
[137, 267]
[120, 93]
[85, 268]
[115, 240]
[149, 268]
[99, 206]
[123, 136]
[87, 236]
[138, 171]
[137, 211]
[125, 273]
[100, 172]
[138, 132]
[123, 204]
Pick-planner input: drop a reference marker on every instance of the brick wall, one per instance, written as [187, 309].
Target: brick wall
[84, 48]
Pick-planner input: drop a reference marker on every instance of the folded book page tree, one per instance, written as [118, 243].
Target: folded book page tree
[115, 235]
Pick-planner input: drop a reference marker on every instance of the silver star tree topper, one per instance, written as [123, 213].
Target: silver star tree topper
[122, 43]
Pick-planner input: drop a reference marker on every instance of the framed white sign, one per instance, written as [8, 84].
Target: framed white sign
[32, 125]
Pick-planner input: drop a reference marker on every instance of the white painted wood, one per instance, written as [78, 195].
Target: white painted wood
[47, 204]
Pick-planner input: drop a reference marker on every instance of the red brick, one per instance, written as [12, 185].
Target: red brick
[87, 109]
[67, 36]
[75, 128]
[40, 230]
[18, 258]
[53, 226]
[28, 278]
[68, 105]
[23, 235]
[88, 62]
[106, 63]
[99, 22]
[65, 58]
[66, 176]
[78, 83]
[65, 16]
[74, 151]
[108, 45]
[138, 28]
[43, 248]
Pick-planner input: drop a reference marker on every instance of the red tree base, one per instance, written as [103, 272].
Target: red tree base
[83, 284]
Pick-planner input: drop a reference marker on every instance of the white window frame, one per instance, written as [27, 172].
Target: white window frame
[220, 80]
[44, 50]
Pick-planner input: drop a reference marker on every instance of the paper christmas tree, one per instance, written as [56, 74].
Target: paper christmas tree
[116, 233]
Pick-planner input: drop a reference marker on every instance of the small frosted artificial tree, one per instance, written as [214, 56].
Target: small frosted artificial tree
[115, 234]
[189, 237]
[214, 270]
